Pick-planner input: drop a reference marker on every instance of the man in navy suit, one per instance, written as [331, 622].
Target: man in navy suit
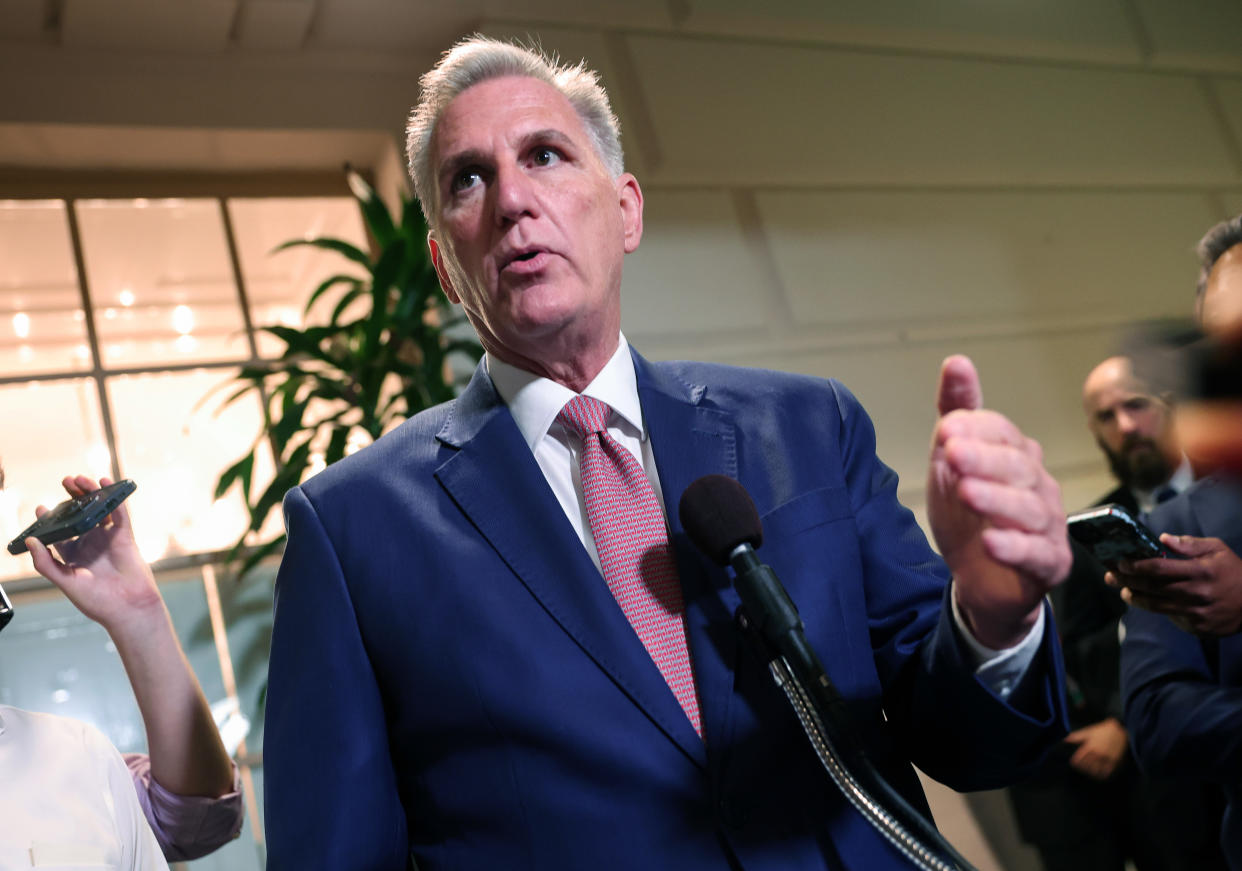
[1181, 653]
[454, 685]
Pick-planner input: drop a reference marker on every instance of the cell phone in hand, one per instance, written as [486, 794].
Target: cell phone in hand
[1111, 534]
[75, 516]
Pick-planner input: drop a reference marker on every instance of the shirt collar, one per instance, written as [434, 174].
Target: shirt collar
[1182, 478]
[535, 401]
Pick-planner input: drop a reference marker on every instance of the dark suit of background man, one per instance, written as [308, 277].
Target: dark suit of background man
[1089, 807]
[1181, 655]
[452, 679]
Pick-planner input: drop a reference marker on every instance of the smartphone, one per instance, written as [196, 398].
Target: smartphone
[75, 516]
[1112, 534]
[6, 609]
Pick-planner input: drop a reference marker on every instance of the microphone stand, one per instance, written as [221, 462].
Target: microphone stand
[770, 617]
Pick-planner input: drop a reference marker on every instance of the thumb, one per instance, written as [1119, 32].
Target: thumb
[1189, 545]
[959, 386]
[44, 563]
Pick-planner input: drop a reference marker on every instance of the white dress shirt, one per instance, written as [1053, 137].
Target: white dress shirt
[67, 799]
[535, 402]
[1178, 481]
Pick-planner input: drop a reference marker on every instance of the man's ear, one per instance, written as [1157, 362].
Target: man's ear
[437, 260]
[630, 196]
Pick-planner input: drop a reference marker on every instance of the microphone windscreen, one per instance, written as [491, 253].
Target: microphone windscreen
[718, 515]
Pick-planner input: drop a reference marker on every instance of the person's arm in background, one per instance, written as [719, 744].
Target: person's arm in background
[1199, 589]
[1182, 721]
[189, 791]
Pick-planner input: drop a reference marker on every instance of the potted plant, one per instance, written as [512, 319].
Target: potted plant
[385, 353]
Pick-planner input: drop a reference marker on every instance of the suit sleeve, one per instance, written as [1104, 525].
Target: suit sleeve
[1181, 721]
[331, 798]
[951, 725]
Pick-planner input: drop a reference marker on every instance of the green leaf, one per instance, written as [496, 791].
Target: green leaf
[327, 284]
[288, 478]
[374, 211]
[340, 246]
[242, 469]
[336, 445]
[290, 421]
[344, 302]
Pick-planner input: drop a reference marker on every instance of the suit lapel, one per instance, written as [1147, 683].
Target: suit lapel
[690, 440]
[496, 482]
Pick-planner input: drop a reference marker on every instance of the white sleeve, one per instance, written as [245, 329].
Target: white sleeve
[1000, 670]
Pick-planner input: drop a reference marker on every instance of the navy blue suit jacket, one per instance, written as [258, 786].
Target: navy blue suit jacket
[451, 679]
[1183, 695]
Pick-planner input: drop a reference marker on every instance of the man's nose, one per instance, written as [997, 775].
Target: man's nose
[1126, 422]
[515, 195]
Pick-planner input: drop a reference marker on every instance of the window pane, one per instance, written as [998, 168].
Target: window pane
[247, 607]
[55, 659]
[41, 324]
[278, 284]
[174, 442]
[161, 282]
[53, 430]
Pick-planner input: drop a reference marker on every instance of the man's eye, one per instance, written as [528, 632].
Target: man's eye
[465, 179]
[1138, 403]
[545, 156]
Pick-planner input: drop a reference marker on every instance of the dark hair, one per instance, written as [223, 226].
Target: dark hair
[1213, 246]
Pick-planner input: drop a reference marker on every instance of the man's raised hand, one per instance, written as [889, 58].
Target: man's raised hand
[995, 512]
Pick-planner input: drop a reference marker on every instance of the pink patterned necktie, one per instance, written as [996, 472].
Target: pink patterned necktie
[628, 525]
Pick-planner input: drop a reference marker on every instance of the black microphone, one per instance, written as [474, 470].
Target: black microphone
[722, 521]
[720, 518]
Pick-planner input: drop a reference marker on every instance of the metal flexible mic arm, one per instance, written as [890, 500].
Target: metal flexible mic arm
[775, 617]
[717, 514]
[769, 613]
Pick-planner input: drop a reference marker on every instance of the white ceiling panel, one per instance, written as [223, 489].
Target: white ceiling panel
[154, 25]
[274, 24]
[1094, 30]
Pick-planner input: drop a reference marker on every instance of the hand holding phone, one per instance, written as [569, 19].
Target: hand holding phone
[1111, 534]
[1200, 589]
[75, 516]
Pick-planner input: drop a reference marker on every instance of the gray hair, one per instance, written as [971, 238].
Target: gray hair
[1213, 246]
[477, 59]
